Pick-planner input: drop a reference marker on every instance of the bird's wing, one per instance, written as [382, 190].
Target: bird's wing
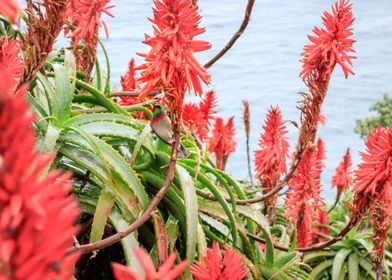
[163, 129]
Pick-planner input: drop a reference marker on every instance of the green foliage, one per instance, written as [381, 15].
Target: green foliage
[383, 117]
[118, 166]
[350, 258]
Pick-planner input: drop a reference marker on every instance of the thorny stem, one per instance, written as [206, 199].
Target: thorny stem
[145, 216]
[236, 35]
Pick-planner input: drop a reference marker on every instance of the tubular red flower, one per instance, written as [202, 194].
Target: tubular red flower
[128, 83]
[303, 198]
[216, 267]
[197, 118]
[328, 47]
[304, 227]
[37, 214]
[11, 10]
[208, 106]
[165, 272]
[86, 16]
[11, 66]
[375, 172]
[170, 64]
[332, 45]
[343, 175]
[373, 189]
[270, 159]
[193, 119]
[222, 141]
[321, 227]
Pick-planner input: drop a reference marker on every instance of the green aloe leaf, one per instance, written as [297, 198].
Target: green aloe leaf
[367, 266]
[207, 183]
[353, 266]
[320, 269]
[191, 208]
[64, 89]
[102, 210]
[129, 242]
[338, 262]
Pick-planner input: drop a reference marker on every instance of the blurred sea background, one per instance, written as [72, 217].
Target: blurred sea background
[263, 66]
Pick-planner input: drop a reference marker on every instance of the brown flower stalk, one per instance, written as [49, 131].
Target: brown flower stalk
[45, 21]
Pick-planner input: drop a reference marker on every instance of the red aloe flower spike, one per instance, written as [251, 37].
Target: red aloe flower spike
[320, 158]
[343, 177]
[381, 219]
[128, 81]
[303, 197]
[328, 47]
[321, 227]
[304, 227]
[373, 189]
[11, 10]
[37, 214]
[222, 141]
[216, 267]
[170, 64]
[375, 172]
[197, 118]
[208, 106]
[270, 159]
[11, 66]
[332, 45]
[193, 119]
[86, 16]
[165, 272]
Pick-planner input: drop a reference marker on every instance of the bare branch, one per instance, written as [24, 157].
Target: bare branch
[236, 35]
[315, 247]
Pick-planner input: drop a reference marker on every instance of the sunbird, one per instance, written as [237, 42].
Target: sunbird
[162, 127]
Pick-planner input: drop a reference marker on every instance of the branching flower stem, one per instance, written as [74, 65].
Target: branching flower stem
[236, 35]
[145, 216]
[314, 247]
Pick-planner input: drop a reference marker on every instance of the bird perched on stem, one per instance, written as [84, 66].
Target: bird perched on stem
[162, 127]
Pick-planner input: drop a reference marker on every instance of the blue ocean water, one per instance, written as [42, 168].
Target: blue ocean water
[263, 66]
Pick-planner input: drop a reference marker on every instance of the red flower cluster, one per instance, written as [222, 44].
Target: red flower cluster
[222, 142]
[303, 200]
[216, 267]
[321, 228]
[128, 83]
[165, 272]
[11, 66]
[328, 47]
[373, 189]
[343, 178]
[170, 64]
[332, 45]
[270, 159]
[37, 214]
[197, 118]
[11, 10]
[86, 16]
[374, 174]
